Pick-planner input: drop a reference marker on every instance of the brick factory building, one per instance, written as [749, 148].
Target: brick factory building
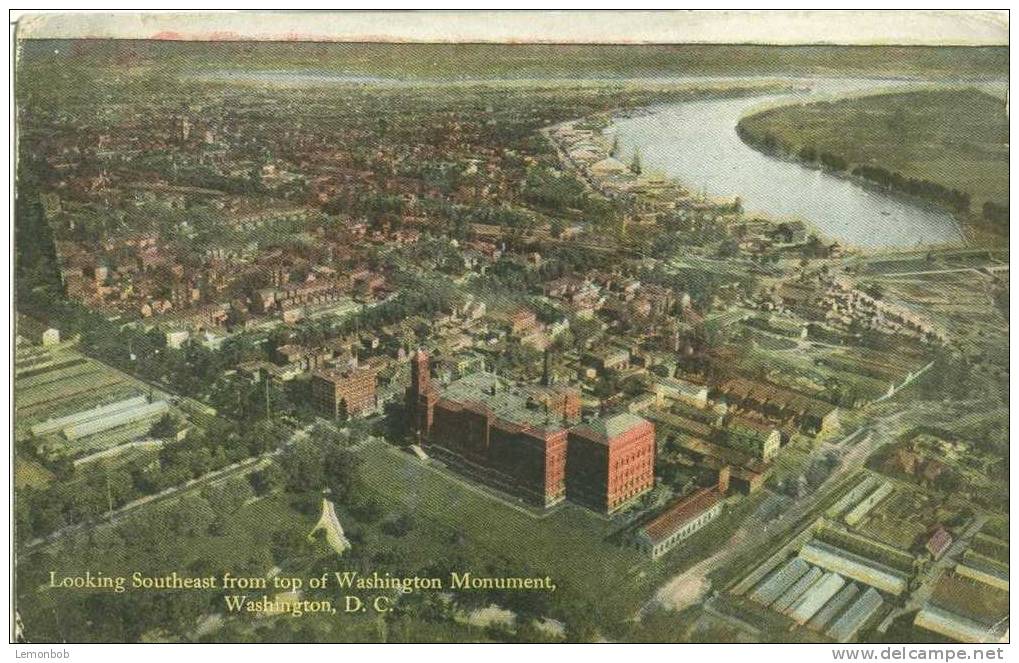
[337, 392]
[558, 401]
[519, 438]
[610, 461]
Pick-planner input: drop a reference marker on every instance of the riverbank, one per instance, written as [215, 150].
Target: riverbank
[588, 147]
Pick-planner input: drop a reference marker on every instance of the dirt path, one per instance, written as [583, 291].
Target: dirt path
[692, 585]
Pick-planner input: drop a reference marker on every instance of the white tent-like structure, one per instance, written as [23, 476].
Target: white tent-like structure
[335, 537]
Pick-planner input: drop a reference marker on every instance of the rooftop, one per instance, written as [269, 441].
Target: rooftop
[334, 373]
[725, 454]
[681, 512]
[985, 564]
[766, 392]
[603, 430]
[507, 400]
[752, 425]
[969, 598]
[683, 386]
[684, 424]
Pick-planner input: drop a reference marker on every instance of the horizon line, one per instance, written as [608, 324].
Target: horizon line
[530, 26]
[537, 42]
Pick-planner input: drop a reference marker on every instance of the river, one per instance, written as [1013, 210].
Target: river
[696, 143]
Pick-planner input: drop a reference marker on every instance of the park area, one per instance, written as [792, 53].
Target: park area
[570, 544]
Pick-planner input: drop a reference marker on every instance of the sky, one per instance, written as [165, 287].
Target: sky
[911, 27]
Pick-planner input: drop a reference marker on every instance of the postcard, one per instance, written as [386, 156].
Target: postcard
[511, 327]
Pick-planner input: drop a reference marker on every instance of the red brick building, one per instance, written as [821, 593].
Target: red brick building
[519, 438]
[516, 455]
[558, 401]
[493, 430]
[610, 462]
[337, 392]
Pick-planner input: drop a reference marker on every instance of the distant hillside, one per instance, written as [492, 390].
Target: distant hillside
[534, 60]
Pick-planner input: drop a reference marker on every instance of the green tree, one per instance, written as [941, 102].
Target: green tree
[229, 496]
[635, 163]
[164, 428]
[303, 467]
[340, 466]
[267, 480]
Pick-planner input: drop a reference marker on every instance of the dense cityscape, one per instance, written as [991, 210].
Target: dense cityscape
[282, 323]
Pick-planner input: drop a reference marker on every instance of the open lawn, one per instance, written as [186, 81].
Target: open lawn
[570, 544]
[244, 546]
[929, 260]
[250, 543]
[580, 550]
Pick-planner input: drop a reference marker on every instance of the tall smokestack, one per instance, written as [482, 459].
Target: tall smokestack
[420, 372]
[419, 396]
[723, 479]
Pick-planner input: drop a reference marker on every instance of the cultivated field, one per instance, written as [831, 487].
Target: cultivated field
[58, 381]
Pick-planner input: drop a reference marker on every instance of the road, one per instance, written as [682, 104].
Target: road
[119, 449]
[567, 160]
[949, 270]
[690, 586]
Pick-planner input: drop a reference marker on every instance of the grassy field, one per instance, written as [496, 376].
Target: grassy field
[451, 520]
[244, 546]
[955, 138]
[570, 544]
[964, 303]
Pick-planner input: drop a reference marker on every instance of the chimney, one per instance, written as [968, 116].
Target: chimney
[723, 479]
[545, 377]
